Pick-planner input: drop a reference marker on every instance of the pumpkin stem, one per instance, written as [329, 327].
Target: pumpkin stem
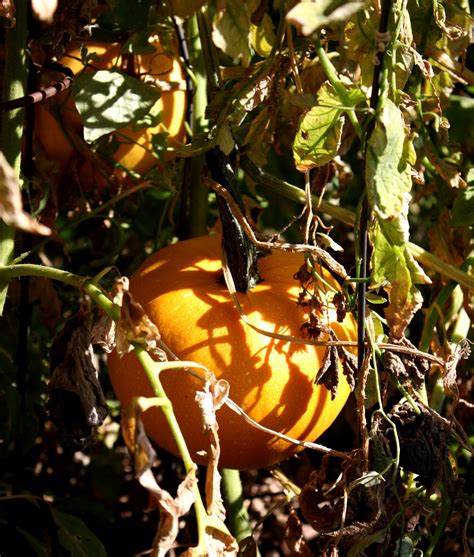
[240, 251]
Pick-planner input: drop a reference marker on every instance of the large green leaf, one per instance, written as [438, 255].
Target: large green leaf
[109, 100]
[388, 182]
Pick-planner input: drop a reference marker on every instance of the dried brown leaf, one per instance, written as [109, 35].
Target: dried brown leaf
[11, 206]
[134, 325]
[328, 374]
[294, 536]
[76, 402]
[103, 333]
[135, 437]
[406, 367]
[171, 509]
[7, 11]
[209, 400]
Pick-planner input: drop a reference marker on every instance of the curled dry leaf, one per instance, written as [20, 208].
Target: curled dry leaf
[11, 206]
[423, 441]
[406, 367]
[294, 536]
[328, 374]
[135, 437]
[76, 402]
[171, 509]
[7, 11]
[134, 325]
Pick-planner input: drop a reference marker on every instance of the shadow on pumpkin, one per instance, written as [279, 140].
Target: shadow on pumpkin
[273, 380]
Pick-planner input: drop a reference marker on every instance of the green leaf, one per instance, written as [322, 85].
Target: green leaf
[394, 268]
[308, 17]
[76, 537]
[318, 137]
[319, 133]
[110, 100]
[387, 171]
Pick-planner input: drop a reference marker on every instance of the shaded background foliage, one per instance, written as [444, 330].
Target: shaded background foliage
[59, 498]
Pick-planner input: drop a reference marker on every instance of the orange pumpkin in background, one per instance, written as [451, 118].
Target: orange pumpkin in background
[57, 120]
[181, 290]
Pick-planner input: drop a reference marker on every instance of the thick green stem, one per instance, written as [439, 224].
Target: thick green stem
[339, 87]
[14, 86]
[237, 515]
[289, 191]
[199, 193]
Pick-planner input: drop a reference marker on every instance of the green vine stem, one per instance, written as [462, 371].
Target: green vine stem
[289, 191]
[199, 193]
[87, 285]
[339, 87]
[237, 515]
[14, 86]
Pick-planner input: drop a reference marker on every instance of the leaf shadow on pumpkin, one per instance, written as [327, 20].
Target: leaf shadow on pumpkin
[181, 292]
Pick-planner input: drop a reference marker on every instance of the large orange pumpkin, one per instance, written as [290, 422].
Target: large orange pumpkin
[182, 292]
[57, 118]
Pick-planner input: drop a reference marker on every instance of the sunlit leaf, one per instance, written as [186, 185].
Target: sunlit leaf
[231, 30]
[387, 170]
[319, 133]
[110, 100]
[263, 36]
[308, 17]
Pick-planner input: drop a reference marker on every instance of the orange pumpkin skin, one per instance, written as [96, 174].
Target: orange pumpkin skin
[272, 380]
[58, 116]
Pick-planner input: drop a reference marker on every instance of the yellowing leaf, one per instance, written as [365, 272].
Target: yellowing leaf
[318, 137]
[319, 133]
[263, 36]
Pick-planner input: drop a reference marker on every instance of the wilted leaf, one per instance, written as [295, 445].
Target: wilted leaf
[134, 325]
[294, 536]
[171, 509]
[135, 437]
[231, 30]
[309, 16]
[318, 137]
[319, 133]
[11, 205]
[387, 171]
[108, 100]
[328, 374]
[453, 31]
[76, 402]
[394, 267]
